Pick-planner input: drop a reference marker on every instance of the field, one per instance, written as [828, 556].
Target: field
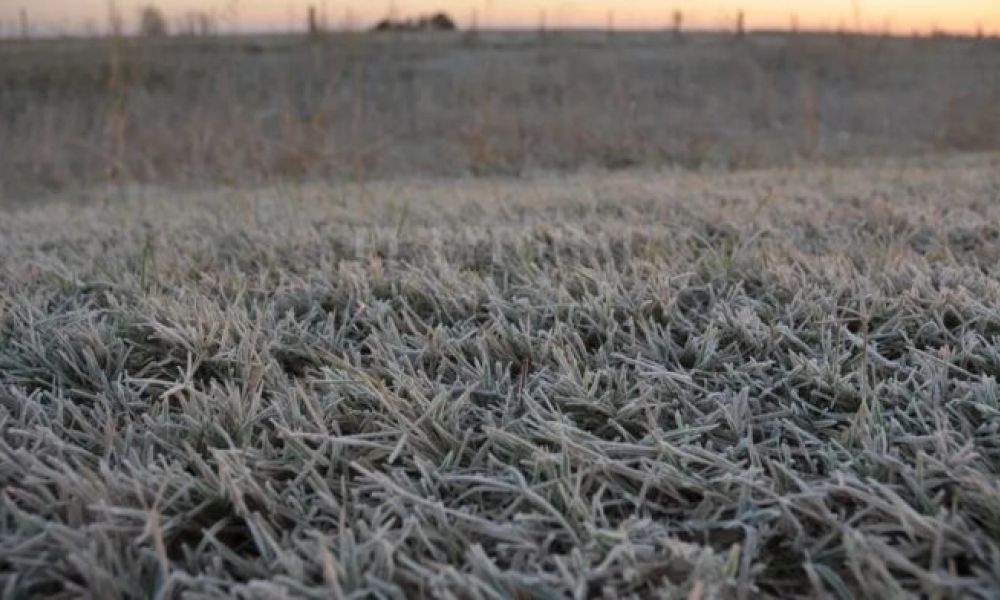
[669, 376]
[253, 111]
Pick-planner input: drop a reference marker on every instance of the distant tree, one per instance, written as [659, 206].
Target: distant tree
[152, 22]
[441, 22]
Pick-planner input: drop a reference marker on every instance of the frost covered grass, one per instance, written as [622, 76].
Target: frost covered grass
[778, 383]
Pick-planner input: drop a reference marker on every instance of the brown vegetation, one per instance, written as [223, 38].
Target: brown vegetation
[248, 110]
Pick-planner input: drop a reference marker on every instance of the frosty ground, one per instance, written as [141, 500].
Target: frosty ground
[647, 383]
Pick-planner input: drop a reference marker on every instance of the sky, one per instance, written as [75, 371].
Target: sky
[899, 16]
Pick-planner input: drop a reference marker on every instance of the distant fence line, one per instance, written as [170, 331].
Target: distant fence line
[317, 22]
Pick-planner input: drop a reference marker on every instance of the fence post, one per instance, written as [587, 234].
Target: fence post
[313, 23]
[25, 24]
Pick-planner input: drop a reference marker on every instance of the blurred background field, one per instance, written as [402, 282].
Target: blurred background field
[247, 110]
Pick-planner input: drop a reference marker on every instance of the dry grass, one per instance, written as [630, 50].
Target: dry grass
[778, 383]
[251, 111]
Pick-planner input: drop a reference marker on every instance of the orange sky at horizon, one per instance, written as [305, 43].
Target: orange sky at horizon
[898, 16]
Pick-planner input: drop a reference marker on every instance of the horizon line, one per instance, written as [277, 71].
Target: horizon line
[277, 33]
[219, 24]
[82, 32]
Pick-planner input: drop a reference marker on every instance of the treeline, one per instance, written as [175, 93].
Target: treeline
[434, 22]
[153, 22]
